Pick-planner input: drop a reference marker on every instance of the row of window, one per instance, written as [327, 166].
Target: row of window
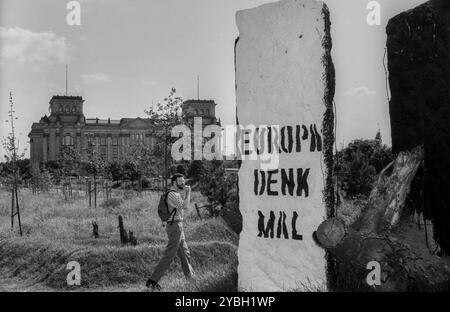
[115, 153]
[134, 139]
[74, 109]
[68, 108]
[68, 141]
[202, 112]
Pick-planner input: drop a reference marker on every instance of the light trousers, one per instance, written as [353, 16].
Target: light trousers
[175, 246]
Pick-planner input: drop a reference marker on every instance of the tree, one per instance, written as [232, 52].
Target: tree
[140, 158]
[163, 119]
[95, 166]
[357, 165]
[221, 189]
[195, 169]
[115, 170]
[378, 137]
[129, 171]
[13, 156]
[41, 180]
[70, 161]
[216, 184]
[372, 236]
[55, 169]
[94, 163]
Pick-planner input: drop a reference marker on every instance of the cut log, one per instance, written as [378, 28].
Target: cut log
[132, 239]
[122, 232]
[95, 229]
[367, 239]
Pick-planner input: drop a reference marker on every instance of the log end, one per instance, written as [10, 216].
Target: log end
[330, 233]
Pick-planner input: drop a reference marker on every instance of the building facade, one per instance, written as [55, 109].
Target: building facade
[67, 127]
[204, 108]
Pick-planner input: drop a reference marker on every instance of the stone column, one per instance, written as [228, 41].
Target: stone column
[79, 146]
[44, 148]
[108, 148]
[52, 145]
[285, 85]
[419, 78]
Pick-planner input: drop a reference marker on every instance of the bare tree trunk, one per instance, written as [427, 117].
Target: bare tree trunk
[198, 211]
[89, 191]
[95, 192]
[15, 210]
[18, 211]
[12, 207]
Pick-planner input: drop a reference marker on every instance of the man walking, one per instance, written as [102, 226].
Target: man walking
[177, 242]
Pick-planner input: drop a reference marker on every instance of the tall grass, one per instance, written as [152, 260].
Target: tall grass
[58, 231]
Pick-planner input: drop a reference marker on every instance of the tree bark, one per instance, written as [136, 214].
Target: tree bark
[18, 210]
[368, 238]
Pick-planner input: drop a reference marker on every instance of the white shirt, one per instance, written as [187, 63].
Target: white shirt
[174, 200]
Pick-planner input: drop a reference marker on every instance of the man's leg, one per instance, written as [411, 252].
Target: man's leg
[185, 257]
[174, 235]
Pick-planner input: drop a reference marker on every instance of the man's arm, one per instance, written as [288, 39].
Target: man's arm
[174, 200]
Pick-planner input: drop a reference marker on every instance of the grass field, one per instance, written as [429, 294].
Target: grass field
[57, 231]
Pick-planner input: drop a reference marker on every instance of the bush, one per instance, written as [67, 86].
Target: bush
[358, 165]
[195, 169]
[221, 190]
[215, 183]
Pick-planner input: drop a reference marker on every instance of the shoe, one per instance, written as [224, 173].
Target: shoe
[151, 283]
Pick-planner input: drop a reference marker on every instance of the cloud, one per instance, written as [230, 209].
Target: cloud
[360, 92]
[25, 46]
[95, 78]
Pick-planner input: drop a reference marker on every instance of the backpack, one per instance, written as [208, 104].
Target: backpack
[163, 208]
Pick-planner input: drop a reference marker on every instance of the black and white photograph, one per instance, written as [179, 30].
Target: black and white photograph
[245, 148]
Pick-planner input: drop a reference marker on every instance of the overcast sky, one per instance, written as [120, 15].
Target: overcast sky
[127, 54]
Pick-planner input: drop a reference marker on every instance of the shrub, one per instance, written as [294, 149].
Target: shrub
[221, 190]
[358, 165]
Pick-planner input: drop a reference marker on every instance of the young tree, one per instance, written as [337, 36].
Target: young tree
[216, 184]
[13, 156]
[164, 118]
[56, 170]
[70, 161]
[95, 166]
[41, 179]
[115, 170]
[140, 158]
